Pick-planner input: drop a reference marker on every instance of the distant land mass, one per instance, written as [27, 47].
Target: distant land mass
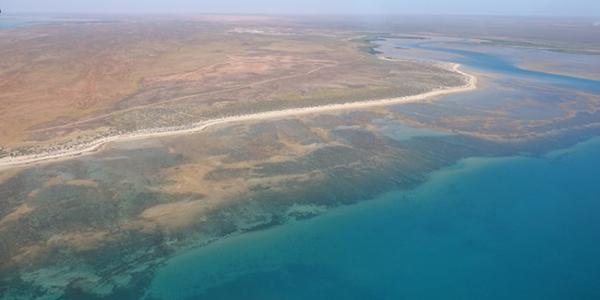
[298, 157]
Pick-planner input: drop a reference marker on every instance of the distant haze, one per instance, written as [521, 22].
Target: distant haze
[454, 7]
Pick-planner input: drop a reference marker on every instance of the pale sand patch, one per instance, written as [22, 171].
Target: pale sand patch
[554, 68]
[56, 180]
[8, 174]
[83, 182]
[91, 147]
[21, 210]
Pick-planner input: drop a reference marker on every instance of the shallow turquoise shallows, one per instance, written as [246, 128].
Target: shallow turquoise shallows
[485, 228]
[493, 228]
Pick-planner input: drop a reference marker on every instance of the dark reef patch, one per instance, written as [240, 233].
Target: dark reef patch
[226, 174]
[356, 165]
[313, 282]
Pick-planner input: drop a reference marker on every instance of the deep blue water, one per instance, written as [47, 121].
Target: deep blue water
[494, 228]
[499, 65]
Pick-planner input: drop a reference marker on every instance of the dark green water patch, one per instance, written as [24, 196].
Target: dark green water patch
[309, 282]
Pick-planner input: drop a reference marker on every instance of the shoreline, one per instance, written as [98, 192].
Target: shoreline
[94, 146]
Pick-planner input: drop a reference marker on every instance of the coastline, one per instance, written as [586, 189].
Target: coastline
[94, 146]
[429, 201]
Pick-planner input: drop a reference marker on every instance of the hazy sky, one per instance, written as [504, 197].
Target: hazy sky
[478, 7]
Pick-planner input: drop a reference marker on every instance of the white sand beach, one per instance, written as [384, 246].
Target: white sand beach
[90, 147]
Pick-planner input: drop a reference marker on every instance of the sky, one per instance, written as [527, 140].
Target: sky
[589, 8]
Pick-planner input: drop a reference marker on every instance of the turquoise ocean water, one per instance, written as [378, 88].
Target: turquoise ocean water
[485, 228]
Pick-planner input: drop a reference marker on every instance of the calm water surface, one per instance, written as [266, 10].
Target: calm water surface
[502, 228]
[500, 65]
[485, 228]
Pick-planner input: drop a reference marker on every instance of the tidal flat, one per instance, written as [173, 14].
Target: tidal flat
[463, 196]
[491, 228]
[101, 226]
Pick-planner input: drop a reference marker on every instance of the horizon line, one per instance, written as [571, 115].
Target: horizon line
[291, 14]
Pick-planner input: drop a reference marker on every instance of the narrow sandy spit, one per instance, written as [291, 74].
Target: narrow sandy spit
[9, 162]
